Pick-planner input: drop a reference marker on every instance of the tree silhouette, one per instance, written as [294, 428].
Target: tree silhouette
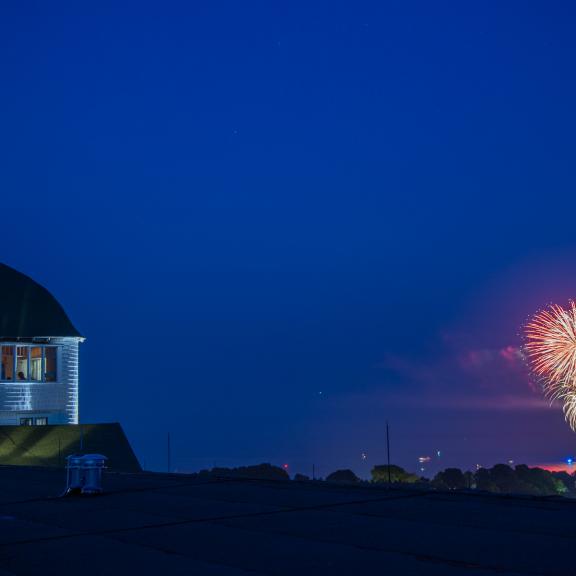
[346, 476]
[397, 474]
[451, 478]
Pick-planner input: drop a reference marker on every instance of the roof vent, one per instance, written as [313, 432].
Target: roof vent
[84, 473]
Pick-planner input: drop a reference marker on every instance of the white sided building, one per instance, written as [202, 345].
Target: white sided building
[39, 355]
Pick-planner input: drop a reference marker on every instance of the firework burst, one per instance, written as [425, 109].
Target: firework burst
[551, 351]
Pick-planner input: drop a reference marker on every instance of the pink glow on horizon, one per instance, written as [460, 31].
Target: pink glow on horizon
[556, 467]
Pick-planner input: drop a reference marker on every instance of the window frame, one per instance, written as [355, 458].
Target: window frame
[15, 370]
[29, 346]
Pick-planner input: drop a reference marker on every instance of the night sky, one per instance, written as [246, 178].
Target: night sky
[279, 224]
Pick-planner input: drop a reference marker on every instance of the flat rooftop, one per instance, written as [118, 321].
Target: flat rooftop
[177, 524]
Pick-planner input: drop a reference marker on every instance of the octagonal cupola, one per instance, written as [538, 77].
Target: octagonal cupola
[39, 354]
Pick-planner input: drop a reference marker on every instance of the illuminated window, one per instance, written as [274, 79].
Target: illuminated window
[26, 421]
[22, 362]
[42, 421]
[50, 363]
[36, 364]
[7, 363]
[28, 363]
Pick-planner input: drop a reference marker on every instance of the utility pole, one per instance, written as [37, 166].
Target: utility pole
[388, 450]
[168, 455]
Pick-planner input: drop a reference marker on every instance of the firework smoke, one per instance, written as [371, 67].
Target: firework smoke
[551, 351]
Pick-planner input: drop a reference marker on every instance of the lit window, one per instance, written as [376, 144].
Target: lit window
[36, 364]
[42, 421]
[26, 421]
[50, 372]
[22, 362]
[27, 363]
[7, 363]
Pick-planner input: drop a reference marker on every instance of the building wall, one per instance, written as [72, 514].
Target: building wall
[58, 401]
[69, 366]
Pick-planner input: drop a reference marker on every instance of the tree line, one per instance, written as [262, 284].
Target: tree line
[501, 478]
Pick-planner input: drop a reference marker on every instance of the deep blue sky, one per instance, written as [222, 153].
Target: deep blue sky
[280, 223]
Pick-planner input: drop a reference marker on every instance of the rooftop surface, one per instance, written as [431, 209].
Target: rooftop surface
[175, 524]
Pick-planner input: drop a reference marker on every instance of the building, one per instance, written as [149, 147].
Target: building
[39, 355]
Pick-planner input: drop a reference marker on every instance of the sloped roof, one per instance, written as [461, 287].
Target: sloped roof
[50, 445]
[28, 310]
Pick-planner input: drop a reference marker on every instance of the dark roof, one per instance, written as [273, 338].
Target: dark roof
[180, 525]
[28, 310]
